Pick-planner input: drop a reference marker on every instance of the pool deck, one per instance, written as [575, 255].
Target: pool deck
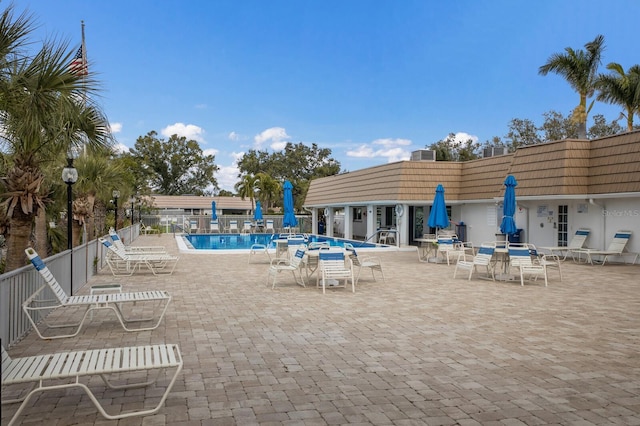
[420, 349]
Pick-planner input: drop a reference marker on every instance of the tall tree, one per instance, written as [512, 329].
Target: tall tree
[522, 132]
[246, 188]
[176, 166]
[268, 188]
[601, 128]
[579, 68]
[622, 89]
[558, 127]
[44, 109]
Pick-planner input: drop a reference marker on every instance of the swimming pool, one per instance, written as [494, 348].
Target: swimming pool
[218, 242]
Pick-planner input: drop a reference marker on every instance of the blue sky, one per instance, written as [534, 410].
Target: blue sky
[371, 80]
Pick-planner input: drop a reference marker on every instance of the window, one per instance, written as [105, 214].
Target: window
[357, 214]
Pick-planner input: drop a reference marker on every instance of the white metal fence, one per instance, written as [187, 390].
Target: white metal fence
[18, 285]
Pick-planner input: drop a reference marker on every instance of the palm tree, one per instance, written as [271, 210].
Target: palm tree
[97, 175]
[267, 187]
[246, 188]
[621, 89]
[580, 69]
[43, 111]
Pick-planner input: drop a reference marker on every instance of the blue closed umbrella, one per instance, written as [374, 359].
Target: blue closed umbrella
[257, 215]
[508, 225]
[289, 220]
[214, 216]
[438, 215]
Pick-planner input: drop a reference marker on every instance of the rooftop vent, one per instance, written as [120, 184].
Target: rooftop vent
[423, 155]
[494, 151]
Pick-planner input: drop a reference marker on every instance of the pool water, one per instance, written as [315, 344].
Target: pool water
[245, 241]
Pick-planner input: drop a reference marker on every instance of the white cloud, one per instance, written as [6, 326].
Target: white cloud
[227, 176]
[276, 135]
[234, 136]
[210, 151]
[391, 149]
[462, 137]
[121, 148]
[115, 127]
[189, 131]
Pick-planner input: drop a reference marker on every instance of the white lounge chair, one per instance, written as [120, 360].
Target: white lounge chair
[520, 257]
[233, 226]
[45, 372]
[214, 226]
[193, 226]
[269, 226]
[294, 265]
[36, 309]
[481, 259]
[617, 247]
[334, 266]
[246, 227]
[122, 263]
[576, 243]
[134, 249]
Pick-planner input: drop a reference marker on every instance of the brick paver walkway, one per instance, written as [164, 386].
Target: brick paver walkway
[421, 349]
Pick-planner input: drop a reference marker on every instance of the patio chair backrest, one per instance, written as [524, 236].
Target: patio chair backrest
[619, 242]
[214, 225]
[519, 256]
[578, 239]
[41, 267]
[233, 224]
[246, 225]
[331, 255]
[295, 241]
[269, 224]
[112, 248]
[193, 224]
[484, 255]
[296, 260]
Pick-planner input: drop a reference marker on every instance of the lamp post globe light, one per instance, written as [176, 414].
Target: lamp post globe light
[116, 195]
[69, 176]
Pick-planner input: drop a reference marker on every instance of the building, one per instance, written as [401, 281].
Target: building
[562, 186]
[193, 205]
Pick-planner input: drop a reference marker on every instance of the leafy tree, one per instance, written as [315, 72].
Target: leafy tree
[521, 133]
[268, 189]
[176, 166]
[450, 149]
[558, 127]
[601, 128]
[580, 69]
[246, 188]
[622, 89]
[297, 163]
[45, 109]
[225, 193]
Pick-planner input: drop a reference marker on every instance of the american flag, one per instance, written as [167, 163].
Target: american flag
[78, 66]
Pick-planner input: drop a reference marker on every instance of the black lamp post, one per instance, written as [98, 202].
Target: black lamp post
[133, 209]
[115, 195]
[70, 176]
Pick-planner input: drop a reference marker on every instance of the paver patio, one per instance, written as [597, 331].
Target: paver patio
[421, 348]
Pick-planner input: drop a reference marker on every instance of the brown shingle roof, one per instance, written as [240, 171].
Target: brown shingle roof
[567, 168]
[196, 202]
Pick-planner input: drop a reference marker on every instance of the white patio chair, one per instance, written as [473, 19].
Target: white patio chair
[576, 243]
[333, 267]
[122, 263]
[481, 259]
[148, 229]
[548, 260]
[520, 257]
[371, 262]
[246, 227]
[258, 249]
[36, 308]
[214, 226]
[293, 265]
[449, 248]
[77, 368]
[193, 226]
[617, 247]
